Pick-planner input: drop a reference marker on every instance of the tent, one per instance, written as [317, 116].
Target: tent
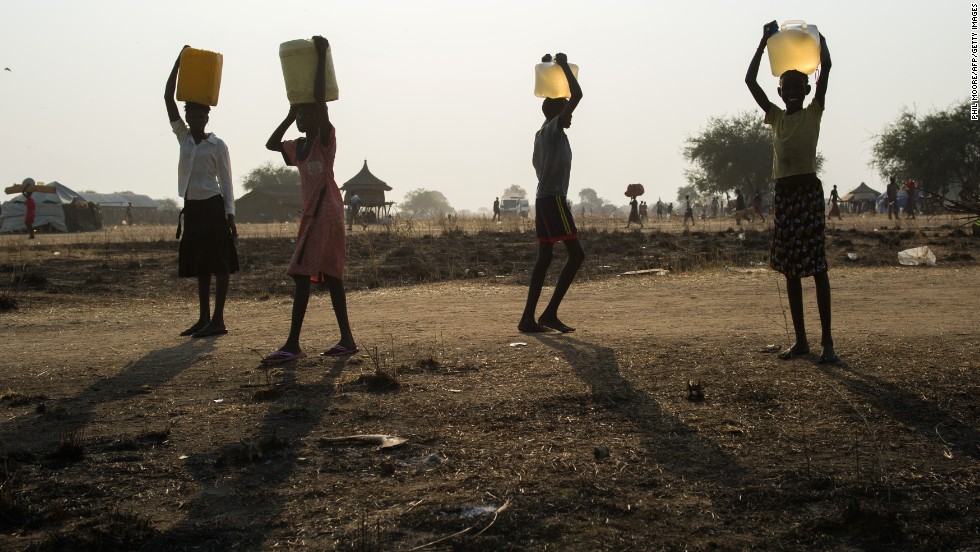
[113, 207]
[861, 193]
[64, 211]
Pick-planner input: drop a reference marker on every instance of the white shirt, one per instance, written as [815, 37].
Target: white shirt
[204, 170]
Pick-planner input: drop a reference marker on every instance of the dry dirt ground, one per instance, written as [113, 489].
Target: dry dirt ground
[116, 434]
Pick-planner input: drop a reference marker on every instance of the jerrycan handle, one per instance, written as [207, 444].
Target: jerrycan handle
[799, 22]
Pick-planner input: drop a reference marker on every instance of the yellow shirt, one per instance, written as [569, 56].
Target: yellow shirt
[794, 139]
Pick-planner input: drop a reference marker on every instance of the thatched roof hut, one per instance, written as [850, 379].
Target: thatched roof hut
[368, 187]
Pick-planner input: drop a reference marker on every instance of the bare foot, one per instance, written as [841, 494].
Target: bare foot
[800, 348]
[555, 324]
[198, 326]
[530, 326]
[828, 355]
[213, 328]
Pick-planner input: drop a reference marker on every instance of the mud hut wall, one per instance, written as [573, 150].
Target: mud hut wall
[258, 207]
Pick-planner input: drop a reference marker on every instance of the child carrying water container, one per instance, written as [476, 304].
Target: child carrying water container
[552, 160]
[320, 246]
[797, 248]
[207, 239]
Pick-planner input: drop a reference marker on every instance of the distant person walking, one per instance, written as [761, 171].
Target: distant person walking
[757, 206]
[353, 210]
[797, 249]
[891, 195]
[739, 201]
[552, 160]
[643, 211]
[204, 181]
[634, 214]
[714, 207]
[128, 217]
[835, 203]
[740, 208]
[496, 209]
[320, 251]
[688, 211]
[660, 209]
[29, 206]
[910, 189]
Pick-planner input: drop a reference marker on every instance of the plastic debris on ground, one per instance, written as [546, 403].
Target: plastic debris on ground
[917, 256]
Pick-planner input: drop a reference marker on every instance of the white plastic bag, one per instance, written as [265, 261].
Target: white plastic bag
[917, 256]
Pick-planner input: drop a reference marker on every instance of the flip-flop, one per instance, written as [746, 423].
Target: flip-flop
[208, 331]
[339, 351]
[281, 357]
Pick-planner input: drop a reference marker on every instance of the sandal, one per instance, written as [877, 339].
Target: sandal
[339, 350]
[281, 357]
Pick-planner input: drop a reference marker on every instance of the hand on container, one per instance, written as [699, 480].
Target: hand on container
[768, 30]
[561, 59]
[546, 58]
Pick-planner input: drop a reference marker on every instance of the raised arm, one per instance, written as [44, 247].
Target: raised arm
[821, 93]
[275, 141]
[319, 91]
[171, 90]
[573, 86]
[752, 75]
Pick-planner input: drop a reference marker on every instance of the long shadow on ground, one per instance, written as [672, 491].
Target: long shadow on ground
[224, 515]
[42, 431]
[671, 443]
[930, 421]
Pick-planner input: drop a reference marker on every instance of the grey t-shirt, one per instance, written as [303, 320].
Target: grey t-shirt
[552, 159]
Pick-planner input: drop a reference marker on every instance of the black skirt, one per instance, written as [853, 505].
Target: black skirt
[206, 245]
[797, 248]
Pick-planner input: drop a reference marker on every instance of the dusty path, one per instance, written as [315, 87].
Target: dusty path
[589, 436]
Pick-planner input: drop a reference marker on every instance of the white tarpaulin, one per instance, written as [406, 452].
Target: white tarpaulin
[917, 256]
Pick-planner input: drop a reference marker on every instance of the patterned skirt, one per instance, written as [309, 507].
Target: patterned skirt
[797, 248]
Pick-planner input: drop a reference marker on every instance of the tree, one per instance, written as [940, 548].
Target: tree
[422, 203]
[732, 153]
[270, 173]
[688, 190]
[167, 204]
[589, 200]
[936, 150]
[515, 190]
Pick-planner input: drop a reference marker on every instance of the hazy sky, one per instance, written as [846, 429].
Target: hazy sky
[438, 94]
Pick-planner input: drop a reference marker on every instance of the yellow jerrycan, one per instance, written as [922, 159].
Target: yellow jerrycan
[550, 81]
[199, 76]
[795, 46]
[298, 59]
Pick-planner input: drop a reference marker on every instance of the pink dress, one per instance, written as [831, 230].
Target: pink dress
[320, 244]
